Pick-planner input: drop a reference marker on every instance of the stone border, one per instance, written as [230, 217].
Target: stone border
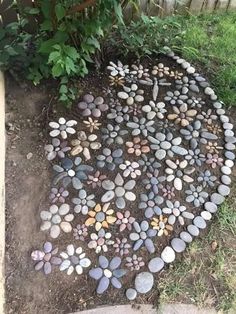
[2, 193]
[175, 308]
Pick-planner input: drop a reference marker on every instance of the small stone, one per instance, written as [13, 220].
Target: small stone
[226, 179]
[123, 95]
[168, 254]
[209, 91]
[210, 207]
[217, 198]
[103, 285]
[134, 236]
[29, 156]
[179, 150]
[230, 155]
[64, 209]
[209, 136]
[230, 146]
[109, 195]
[185, 65]
[66, 226]
[120, 202]
[178, 245]
[226, 170]
[228, 126]
[206, 215]
[230, 139]
[108, 185]
[155, 264]
[144, 282]
[199, 222]
[131, 294]
[190, 70]
[193, 230]
[229, 163]
[224, 190]
[185, 236]
[229, 133]
[54, 231]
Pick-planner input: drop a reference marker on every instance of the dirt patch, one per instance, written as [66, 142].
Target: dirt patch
[28, 179]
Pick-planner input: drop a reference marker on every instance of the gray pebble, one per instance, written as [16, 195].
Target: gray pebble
[224, 119]
[229, 163]
[226, 179]
[193, 230]
[230, 146]
[178, 245]
[230, 139]
[230, 155]
[210, 207]
[226, 170]
[220, 111]
[229, 133]
[213, 97]
[168, 254]
[185, 236]
[155, 264]
[185, 65]
[131, 294]
[108, 185]
[217, 198]
[209, 91]
[120, 202]
[109, 195]
[217, 105]
[190, 70]
[224, 190]
[144, 282]
[209, 136]
[179, 150]
[206, 215]
[228, 126]
[199, 222]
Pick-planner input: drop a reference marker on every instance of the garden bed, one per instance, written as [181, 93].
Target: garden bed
[28, 113]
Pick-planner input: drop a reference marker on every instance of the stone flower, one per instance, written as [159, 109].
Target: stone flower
[214, 128]
[195, 157]
[118, 69]
[213, 147]
[91, 124]
[56, 219]
[135, 110]
[96, 180]
[130, 169]
[62, 128]
[91, 106]
[141, 125]
[45, 258]
[214, 160]
[83, 202]
[120, 190]
[182, 115]
[196, 195]
[176, 212]
[57, 148]
[166, 144]
[124, 220]
[116, 80]
[161, 225]
[58, 195]
[107, 272]
[177, 172]
[74, 259]
[71, 172]
[142, 236]
[176, 75]
[80, 232]
[153, 183]
[131, 94]
[84, 144]
[100, 241]
[195, 102]
[119, 114]
[138, 146]
[134, 262]
[110, 159]
[185, 84]
[113, 134]
[101, 217]
[175, 98]
[206, 178]
[150, 202]
[160, 70]
[166, 126]
[208, 116]
[155, 110]
[139, 71]
[148, 164]
[168, 191]
[121, 246]
[192, 133]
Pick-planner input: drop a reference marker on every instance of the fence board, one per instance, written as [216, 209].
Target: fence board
[222, 4]
[196, 6]
[168, 7]
[153, 8]
[182, 6]
[232, 5]
[209, 6]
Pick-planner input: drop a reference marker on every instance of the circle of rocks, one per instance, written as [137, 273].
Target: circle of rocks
[153, 126]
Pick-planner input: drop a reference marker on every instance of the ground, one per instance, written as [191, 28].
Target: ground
[204, 275]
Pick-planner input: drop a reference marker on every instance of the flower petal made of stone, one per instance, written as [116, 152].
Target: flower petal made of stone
[116, 283]
[103, 285]
[96, 273]
[90, 221]
[47, 268]
[79, 269]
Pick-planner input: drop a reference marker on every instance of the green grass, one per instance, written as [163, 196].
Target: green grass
[206, 276]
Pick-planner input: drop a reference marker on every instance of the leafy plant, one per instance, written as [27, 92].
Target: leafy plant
[66, 37]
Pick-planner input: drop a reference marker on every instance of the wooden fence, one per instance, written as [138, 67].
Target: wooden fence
[150, 7]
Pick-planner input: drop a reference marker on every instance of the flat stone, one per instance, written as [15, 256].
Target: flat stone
[199, 222]
[226, 170]
[224, 190]
[109, 195]
[155, 264]
[168, 254]
[229, 163]
[230, 146]
[217, 198]
[209, 91]
[120, 202]
[193, 230]
[144, 282]
[228, 126]
[108, 185]
[229, 133]
[230, 139]
[206, 215]
[103, 285]
[226, 179]
[209, 136]
[179, 150]
[131, 294]
[186, 237]
[210, 207]
[178, 245]
[230, 155]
